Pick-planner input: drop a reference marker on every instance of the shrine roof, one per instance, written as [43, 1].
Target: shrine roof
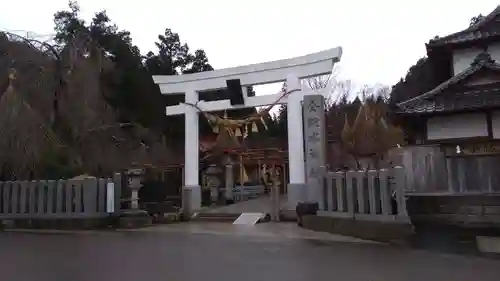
[451, 95]
[487, 27]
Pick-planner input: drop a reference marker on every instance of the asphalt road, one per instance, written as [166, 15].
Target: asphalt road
[180, 255]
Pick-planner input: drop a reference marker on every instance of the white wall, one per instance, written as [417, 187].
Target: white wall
[457, 126]
[482, 80]
[463, 58]
[495, 124]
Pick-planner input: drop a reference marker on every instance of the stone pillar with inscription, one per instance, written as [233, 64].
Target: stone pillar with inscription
[315, 147]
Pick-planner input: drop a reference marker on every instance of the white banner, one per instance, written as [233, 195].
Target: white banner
[110, 197]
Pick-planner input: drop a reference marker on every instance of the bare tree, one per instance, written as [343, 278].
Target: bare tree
[54, 112]
[319, 82]
[323, 81]
[337, 89]
[343, 90]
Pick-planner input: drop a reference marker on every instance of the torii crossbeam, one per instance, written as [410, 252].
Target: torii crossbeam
[289, 70]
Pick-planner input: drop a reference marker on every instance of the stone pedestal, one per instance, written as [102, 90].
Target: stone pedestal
[187, 209]
[191, 198]
[296, 194]
[134, 219]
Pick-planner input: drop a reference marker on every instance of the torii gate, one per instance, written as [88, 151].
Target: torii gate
[289, 70]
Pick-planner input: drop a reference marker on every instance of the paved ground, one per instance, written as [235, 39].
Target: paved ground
[267, 231]
[258, 205]
[222, 252]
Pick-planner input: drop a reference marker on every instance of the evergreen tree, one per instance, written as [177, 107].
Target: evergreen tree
[131, 89]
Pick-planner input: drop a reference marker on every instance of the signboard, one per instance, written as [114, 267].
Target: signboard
[110, 197]
[249, 218]
[473, 149]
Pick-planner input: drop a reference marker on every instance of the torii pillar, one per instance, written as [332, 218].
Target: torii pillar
[289, 70]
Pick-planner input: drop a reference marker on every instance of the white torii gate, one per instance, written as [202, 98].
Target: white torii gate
[289, 70]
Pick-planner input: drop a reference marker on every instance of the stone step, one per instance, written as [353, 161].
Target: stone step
[222, 217]
[285, 216]
[249, 218]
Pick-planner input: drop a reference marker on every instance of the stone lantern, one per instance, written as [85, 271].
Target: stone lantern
[134, 216]
[213, 181]
[134, 179]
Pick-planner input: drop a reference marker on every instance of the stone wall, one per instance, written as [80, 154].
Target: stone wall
[470, 211]
[395, 232]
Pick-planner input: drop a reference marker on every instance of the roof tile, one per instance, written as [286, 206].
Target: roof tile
[440, 100]
[480, 30]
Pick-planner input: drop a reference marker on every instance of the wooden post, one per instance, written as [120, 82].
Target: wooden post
[350, 175]
[229, 181]
[259, 168]
[117, 179]
[275, 195]
[283, 170]
[183, 176]
[385, 196]
[400, 191]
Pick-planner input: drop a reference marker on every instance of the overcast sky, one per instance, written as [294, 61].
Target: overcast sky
[381, 39]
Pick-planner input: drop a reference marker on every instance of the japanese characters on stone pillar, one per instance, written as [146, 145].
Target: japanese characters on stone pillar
[315, 147]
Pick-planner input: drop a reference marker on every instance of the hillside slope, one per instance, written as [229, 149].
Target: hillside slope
[55, 120]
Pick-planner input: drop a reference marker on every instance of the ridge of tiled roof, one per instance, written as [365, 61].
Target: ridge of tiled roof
[471, 33]
[482, 61]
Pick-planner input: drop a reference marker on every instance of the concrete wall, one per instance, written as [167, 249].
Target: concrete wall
[464, 57]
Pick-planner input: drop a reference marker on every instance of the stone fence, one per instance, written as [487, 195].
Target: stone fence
[366, 195]
[29, 203]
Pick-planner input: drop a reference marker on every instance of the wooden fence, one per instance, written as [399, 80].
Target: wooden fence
[473, 174]
[435, 170]
[367, 195]
[62, 199]
[425, 168]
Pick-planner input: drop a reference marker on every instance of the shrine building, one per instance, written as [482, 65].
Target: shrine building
[461, 115]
